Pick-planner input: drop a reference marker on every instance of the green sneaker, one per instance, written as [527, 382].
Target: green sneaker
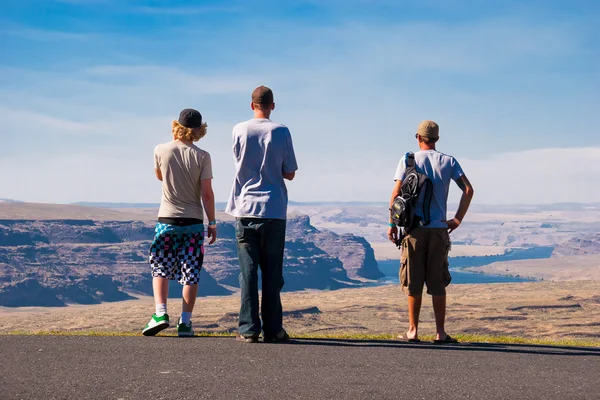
[184, 329]
[156, 325]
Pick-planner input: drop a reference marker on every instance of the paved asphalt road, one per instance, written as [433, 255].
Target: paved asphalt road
[80, 367]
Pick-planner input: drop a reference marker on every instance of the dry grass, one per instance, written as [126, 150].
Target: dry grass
[536, 312]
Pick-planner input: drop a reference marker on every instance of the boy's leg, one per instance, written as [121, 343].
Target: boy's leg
[189, 294]
[248, 242]
[414, 310]
[438, 277]
[412, 275]
[271, 263]
[162, 261]
[160, 287]
[190, 257]
[184, 325]
[439, 310]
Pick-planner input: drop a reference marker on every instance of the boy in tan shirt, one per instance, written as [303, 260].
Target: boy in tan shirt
[177, 251]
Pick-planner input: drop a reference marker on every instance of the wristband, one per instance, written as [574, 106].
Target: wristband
[212, 223]
[392, 225]
[456, 220]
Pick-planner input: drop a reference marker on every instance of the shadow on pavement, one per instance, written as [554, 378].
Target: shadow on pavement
[466, 346]
[425, 345]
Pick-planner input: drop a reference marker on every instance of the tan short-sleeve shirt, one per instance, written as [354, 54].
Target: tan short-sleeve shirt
[183, 167]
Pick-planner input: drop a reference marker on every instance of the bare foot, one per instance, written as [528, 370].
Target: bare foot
[411, 339]
[412, 334]
[447, 339]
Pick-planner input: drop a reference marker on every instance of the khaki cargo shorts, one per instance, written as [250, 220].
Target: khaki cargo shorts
[424, 260]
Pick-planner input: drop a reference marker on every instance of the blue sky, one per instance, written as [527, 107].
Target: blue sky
[88, 88]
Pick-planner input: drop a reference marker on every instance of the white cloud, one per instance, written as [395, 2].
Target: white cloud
[107, 174]
[537, 176]
[14, 120]
[101, 175]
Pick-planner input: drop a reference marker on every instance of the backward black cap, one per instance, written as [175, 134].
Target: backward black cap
[190, 118]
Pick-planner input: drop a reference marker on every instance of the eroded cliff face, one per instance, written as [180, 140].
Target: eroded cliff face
[55, 262]
[355, 253]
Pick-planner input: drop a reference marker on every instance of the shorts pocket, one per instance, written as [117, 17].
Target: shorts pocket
[446, 272]
[403, 271]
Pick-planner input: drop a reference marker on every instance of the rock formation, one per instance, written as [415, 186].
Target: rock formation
[57, 262]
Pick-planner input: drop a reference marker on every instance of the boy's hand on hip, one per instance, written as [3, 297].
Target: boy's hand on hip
[452, 224]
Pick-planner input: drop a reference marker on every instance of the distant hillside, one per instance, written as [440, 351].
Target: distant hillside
[571, 268]
[578, 246]
[41, 211]
[223, 204]
[530, 208]
[218, 205]
[476, 207]
[116, 205]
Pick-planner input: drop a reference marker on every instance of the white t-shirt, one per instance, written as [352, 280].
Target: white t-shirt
[262, 152]
[441, 169]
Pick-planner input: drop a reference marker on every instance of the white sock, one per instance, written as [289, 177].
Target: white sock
[161, 309]
[186, 317]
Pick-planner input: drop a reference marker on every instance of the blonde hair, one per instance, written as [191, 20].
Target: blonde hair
[183, 133]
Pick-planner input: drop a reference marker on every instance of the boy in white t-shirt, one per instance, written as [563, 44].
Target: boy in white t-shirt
[264, 158]
[424, 258]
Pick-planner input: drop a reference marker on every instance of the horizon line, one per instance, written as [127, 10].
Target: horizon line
[102, 204]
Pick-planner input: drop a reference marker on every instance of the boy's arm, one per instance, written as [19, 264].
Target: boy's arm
[157, 170]
[290, 166]
[289, 176]
[465, 200]
[208, 201]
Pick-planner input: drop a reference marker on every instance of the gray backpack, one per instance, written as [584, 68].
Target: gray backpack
[402, 211]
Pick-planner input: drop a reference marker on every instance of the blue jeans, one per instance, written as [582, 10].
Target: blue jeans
[260, 243]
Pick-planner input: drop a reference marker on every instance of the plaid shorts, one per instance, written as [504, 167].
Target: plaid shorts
[177, 252]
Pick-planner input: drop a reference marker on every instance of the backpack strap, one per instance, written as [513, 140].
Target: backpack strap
[427, 202]
[409, 159]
